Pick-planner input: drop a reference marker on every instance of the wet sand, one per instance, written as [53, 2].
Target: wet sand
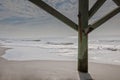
[54, 70]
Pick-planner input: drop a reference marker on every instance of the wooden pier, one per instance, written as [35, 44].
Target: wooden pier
[82, 27]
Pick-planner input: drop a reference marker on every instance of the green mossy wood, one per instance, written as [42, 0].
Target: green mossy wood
[83, 36]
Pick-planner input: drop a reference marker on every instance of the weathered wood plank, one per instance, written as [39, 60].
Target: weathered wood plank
[83, 37]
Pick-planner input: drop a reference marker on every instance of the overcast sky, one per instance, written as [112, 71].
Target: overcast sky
[22, 19]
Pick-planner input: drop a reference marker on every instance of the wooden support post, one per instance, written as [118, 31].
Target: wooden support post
[83, 37]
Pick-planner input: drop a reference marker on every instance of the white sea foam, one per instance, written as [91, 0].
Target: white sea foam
[100, 51]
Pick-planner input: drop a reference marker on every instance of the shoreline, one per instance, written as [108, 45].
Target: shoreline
[2, 50]
[54, 70]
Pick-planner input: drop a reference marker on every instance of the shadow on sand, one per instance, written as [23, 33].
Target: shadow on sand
[85, 76]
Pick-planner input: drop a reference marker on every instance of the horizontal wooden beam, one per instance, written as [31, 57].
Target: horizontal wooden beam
[95, 7]
[103, 20]
[117, 2]
[55, 13]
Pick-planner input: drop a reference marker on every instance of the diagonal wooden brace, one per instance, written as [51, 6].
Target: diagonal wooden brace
[95, 7]
[55, 13]
[117, 2]
[103, 20]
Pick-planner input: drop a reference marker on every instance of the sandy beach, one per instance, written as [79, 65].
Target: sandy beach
[54, 70]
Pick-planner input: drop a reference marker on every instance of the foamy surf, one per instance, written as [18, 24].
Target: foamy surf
[100, 51]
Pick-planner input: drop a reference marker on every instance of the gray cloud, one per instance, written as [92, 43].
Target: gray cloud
[24, 16]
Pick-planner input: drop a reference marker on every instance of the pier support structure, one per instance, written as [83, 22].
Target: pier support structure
[82, 27]
[83, 36]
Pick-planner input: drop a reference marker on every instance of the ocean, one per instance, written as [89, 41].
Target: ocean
[103, 50]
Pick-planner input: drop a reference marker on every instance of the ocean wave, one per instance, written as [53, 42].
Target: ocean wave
[53, 43]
